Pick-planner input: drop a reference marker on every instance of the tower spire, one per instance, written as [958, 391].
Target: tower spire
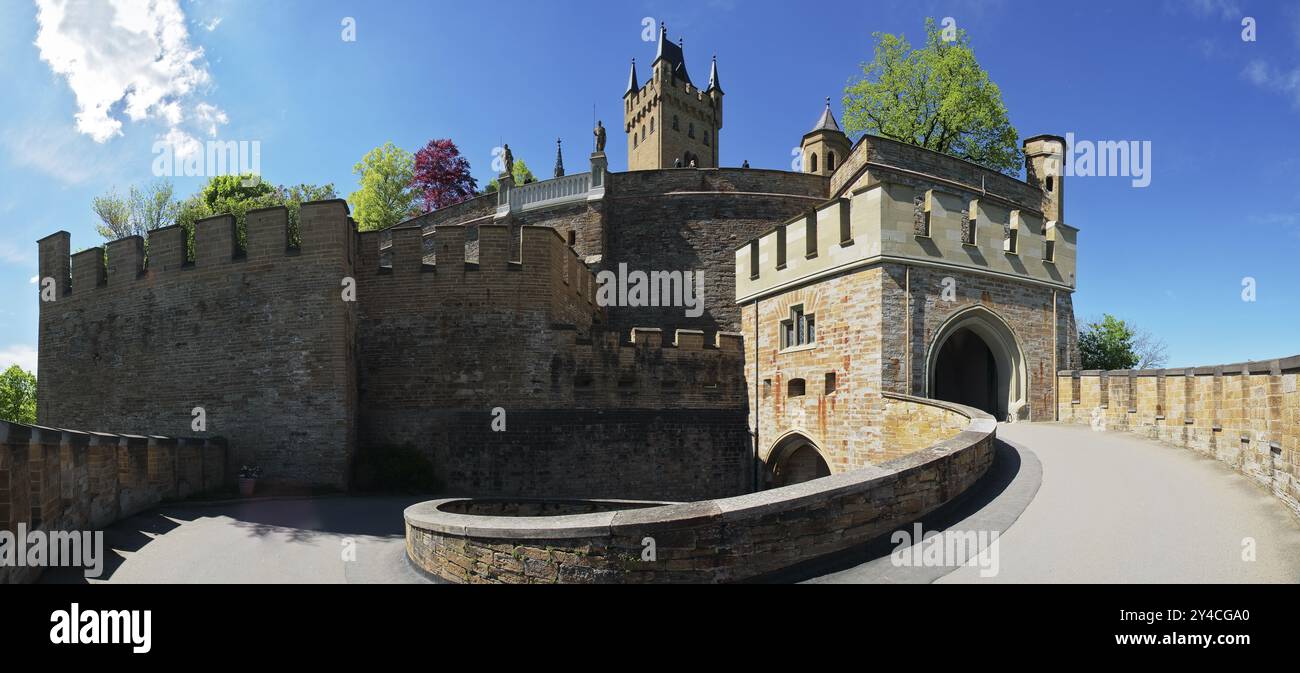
[631, 80]
[559, 160]
[715, 83]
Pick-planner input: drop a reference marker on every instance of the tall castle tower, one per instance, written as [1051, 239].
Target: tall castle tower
[668, 120]
[825, 146]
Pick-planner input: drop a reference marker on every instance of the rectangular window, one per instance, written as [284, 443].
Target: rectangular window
[1049, 242]
[799, 330]
[753, 259]
[830, 382]
[1009, 243]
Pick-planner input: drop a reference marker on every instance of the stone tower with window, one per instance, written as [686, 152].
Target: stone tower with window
[669, 121]
[825, 146]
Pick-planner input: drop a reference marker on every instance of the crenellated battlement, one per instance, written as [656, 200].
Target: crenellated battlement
[324, 229]
[421, 270]
[890, 221]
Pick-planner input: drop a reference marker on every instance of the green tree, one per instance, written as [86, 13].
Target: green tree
[238, 194]
[18, 395]
[142, 210]
[1111, 343]
[937, 97]
[521, 174]
[386, 196]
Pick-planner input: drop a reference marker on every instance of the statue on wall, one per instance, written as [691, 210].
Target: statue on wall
[509, 159]
[600, 137]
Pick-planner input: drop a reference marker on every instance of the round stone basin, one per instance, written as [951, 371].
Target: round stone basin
[538, 507]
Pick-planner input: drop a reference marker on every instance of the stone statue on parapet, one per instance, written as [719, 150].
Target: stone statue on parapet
[600, 137]
[509, 159]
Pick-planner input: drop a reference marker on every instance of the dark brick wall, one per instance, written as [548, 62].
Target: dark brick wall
[443, 344]
[262, 341]
[688, 219]
[642, 454]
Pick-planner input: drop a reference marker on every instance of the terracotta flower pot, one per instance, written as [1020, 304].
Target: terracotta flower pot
[246, 486]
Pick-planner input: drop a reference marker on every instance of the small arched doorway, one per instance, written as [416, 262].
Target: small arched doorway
[975, 359]
[794, 460]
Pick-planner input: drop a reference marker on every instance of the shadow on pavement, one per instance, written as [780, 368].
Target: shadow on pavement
[1007, 464]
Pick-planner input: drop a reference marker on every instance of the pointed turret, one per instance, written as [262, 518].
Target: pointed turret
[559, 160]
[631, 81]
[714, 83]
[826, 146]
[827, 121]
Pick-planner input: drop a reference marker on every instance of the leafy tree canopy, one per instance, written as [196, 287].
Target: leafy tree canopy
[937, 97]
[442, 175]
[1111, 343]
[18, 395]
[386, 196]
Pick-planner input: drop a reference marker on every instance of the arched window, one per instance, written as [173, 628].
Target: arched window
[795, 388]
[652, 125]
[634, 140]
[1051, 183]
[675, 126]
[691, 130]
[812, 162]
[643, 132]
[830, 161]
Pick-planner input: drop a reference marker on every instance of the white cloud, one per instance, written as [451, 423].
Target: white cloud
[1225, 9]
[33, 279]
[12, 254]
[1284, 82]
[55, 150]
[121, 57]
[18, 354]
[212, 25]
[210, 116]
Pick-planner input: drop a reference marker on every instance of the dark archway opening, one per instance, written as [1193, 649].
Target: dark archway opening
[801, 464]
[967, 373]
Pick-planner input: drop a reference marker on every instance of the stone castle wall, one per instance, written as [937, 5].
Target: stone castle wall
[69, 481]
[1041, 319]
[721, 540]
[259, 338]
[443, 344]
[1246, 415]
[687, 219]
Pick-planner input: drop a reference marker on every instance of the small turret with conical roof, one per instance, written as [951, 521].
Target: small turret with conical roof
[825, 146]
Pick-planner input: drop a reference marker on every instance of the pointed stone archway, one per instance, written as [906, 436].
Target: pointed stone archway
[795, 459]
[975, 359]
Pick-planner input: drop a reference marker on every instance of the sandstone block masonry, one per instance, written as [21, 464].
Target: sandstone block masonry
[65, 480]
[1246, 414]
[722, 540]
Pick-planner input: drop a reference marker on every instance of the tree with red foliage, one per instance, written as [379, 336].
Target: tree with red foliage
[442, 175]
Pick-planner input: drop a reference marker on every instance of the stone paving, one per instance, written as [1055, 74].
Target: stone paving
[1069, 504]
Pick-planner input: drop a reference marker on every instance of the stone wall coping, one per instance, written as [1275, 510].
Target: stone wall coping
[1273, 366]
[428, 515]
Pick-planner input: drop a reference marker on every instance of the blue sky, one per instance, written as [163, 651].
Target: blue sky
[1221, 114]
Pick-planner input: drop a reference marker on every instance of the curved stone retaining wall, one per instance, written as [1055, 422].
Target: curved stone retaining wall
[1246, 414]
[723, 540]
[64, 480]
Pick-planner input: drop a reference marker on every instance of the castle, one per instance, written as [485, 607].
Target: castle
[879, 269]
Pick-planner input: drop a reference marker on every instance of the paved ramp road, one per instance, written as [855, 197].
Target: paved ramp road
[1070, 504]
[1114, 507]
